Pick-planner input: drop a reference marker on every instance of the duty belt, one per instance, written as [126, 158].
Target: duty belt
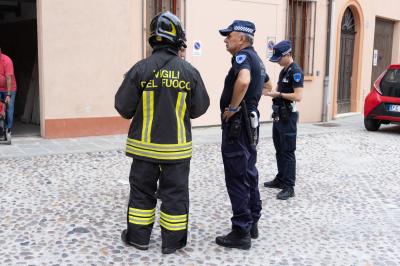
[281, 112]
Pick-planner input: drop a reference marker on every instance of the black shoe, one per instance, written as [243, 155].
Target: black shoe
[274, 184]
[254, 231]
[130, 243]
[286, 193]
[171, 250]
[235, 239]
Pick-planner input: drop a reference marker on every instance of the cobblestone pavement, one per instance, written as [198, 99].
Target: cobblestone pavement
[67, 207]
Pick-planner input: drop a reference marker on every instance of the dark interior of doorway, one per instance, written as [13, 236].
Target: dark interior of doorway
[18, 39]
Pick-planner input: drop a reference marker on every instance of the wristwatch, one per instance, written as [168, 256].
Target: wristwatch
[233, 109]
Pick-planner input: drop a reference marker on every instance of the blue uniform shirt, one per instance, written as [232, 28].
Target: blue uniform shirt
[246, 58]
[289, 79]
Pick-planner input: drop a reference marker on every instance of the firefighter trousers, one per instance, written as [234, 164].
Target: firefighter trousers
[174, 210]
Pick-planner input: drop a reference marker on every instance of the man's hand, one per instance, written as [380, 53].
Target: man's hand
[295, 96]
[228, 114]
[267, 88]
[265, 92]
[8, 99]
[273, 93]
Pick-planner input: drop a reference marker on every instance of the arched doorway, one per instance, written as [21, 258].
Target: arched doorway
[347, 39]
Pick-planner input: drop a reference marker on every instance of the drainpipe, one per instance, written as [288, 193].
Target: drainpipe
[328, 80]
[143, 31]
[184, 14]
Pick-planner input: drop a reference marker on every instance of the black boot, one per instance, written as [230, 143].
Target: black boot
[235, 239]
[130, 243]
[254, 231]
[286, 193]
[171, 250]
[274, 184]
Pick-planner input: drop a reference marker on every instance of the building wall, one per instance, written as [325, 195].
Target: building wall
[310, 107]
[368, 11]
[387, 9]
[215, 61]
[86, 46]
[269, 17]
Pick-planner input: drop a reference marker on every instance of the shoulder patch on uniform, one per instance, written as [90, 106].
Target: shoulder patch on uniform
[240, 58]
[297, 77]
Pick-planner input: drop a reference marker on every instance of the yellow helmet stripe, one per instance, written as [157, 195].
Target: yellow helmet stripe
[173, 29]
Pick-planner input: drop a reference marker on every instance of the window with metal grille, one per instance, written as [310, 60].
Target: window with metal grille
[300, 31]
[153, 7]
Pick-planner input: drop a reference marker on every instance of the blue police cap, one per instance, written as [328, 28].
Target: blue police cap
[240, 26]
[280, 49]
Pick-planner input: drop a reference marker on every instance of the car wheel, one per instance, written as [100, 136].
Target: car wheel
[371, 124]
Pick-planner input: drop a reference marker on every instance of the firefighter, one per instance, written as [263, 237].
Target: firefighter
[239, 102]
[160, 94]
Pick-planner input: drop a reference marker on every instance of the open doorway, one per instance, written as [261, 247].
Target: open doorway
[18, 40]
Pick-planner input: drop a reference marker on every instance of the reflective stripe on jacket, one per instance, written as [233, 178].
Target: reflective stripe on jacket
[161, 94]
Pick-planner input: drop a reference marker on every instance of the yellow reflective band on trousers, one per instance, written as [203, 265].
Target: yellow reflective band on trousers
[141, 216]
[148, 113]
[173, 222]
[180, 111]
[159, 151]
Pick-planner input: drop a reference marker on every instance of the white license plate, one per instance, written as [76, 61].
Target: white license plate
[393, 108]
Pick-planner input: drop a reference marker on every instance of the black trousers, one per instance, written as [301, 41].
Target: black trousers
[174, 209]
[284, 134]
[241, 178]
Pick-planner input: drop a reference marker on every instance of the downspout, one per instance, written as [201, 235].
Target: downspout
[143, 31]
[328, 80]
[184, 14]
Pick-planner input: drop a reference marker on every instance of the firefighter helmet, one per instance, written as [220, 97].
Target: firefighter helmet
[167, 28]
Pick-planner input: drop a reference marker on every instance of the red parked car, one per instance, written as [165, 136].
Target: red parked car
[382, 104]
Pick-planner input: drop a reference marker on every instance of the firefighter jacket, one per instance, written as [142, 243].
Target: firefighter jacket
[161, 94]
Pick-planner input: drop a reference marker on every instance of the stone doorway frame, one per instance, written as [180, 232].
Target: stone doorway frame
[355, 103]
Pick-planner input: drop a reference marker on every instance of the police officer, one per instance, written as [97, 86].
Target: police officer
[285, 115]
[239, 100]
[160, 94]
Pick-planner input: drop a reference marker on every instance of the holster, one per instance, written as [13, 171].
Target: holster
[284, 113]
[235, 125]
[281, 112]
[252, 138]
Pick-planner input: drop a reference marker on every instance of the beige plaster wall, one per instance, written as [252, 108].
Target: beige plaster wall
[269, 16]
[387, 9]
[85, 47]
[370, 9]
[205, 18]
[310, 107]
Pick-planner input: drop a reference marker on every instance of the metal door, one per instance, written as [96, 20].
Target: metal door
[347, 38]
[382, 53]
